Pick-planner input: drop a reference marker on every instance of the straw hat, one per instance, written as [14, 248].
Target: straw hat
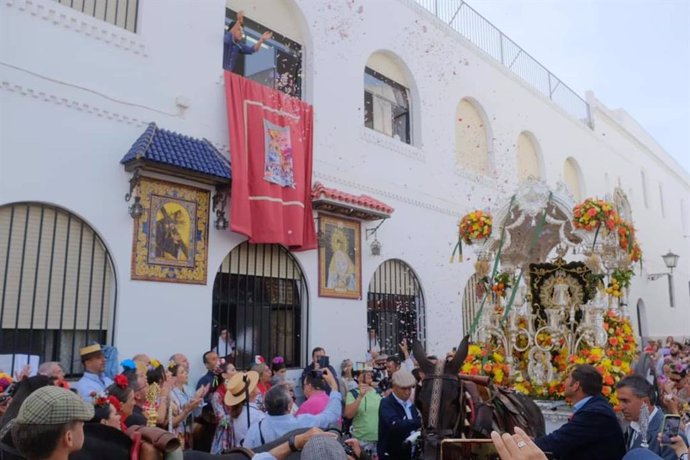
[91, 349]
[239, 386]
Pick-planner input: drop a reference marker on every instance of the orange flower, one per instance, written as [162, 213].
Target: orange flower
[608, 380]
[617, 362]
[606, 390]
[613, 341]
[487, 367]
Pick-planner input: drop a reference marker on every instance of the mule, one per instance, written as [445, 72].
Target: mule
[458, 406]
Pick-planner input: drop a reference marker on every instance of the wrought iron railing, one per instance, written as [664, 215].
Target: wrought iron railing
[121, 13]
[473, 26]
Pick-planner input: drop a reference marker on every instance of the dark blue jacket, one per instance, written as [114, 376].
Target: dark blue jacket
[593, 433]
[394, 427]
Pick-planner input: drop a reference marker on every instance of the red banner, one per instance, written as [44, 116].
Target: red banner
[271, 158]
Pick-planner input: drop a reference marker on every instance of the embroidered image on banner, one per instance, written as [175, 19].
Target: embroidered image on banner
[278, 167]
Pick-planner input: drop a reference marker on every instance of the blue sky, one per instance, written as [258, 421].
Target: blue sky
[633, 54]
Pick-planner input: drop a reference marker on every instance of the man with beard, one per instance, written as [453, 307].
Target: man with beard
[593, 430]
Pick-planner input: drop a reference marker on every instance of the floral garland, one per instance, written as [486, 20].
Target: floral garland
[475, 226]
[613, 362]
[627, 240]
[635, 253]
[593, 214]
[481, 361]
[626, 235]
[502, 281]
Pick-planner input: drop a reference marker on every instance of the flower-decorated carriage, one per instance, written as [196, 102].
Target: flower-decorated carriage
[535, 313]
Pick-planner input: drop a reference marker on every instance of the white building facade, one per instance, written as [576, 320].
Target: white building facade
[449, 130]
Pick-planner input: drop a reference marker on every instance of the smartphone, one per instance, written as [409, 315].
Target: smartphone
[670, 428]
[324, 362]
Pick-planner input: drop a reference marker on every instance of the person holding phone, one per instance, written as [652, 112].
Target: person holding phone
[677, 444]
[319, 361]
[634, 392]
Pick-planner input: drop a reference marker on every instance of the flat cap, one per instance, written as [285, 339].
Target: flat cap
[53, 405]
[403, 379]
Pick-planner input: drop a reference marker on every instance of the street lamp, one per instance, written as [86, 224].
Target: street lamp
[671, 260]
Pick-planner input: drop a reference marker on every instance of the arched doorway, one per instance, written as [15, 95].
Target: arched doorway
[395, 305]
[642, 319]
[260, 297]
[58, 288]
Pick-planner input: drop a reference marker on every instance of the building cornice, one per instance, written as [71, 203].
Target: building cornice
[65, 17]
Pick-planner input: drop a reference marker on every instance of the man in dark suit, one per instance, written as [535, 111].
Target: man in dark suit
[593, 431]
[635, 392]
[397, 417]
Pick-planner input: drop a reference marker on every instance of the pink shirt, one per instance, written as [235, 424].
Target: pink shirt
[316, 404]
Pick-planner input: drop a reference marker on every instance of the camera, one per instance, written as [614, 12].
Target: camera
[324, 362]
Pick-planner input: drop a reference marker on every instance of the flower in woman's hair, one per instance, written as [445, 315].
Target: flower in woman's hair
[171, 365]
[258, 359]
[278, 360]
[128, 365]
[115, 403]
[155, 363]
[99, 400]
[121, 381]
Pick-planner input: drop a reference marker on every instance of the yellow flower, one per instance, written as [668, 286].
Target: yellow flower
[498, 358]
[475, 350]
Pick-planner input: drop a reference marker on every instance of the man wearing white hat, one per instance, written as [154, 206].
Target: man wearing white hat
[94, 379]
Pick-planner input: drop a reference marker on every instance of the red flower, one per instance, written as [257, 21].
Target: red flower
[121, 381]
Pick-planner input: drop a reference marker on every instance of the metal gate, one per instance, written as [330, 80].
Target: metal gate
[470, 303]
[59, 288]
[260, 297]
[395, 305]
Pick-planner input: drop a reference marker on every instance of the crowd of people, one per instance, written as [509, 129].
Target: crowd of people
[370, 402]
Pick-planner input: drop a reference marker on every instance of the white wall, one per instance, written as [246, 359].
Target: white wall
[72, 102]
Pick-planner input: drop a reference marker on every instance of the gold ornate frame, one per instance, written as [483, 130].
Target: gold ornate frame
[170, 240]
[340, 264]
[542, 278]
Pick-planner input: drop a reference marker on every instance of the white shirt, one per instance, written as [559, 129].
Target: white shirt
[240, 424]
[407, 405]
[635, 426]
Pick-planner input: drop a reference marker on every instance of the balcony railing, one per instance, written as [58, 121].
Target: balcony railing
[478, 30]
[121, 13]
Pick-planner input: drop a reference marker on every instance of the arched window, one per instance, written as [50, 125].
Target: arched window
[471, 299]
[528, 157]
[387, 100]
[58, 288]
[395, 305]
[260, 298]
[572, 176]
[620, 199]
[472, 147]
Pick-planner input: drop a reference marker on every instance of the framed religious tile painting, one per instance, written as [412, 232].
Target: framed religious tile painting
[171, 236]
[340, 264]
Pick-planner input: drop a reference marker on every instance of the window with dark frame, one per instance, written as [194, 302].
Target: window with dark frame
[386, 106]
[59, 287]
[277, 64]
[260, 297]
